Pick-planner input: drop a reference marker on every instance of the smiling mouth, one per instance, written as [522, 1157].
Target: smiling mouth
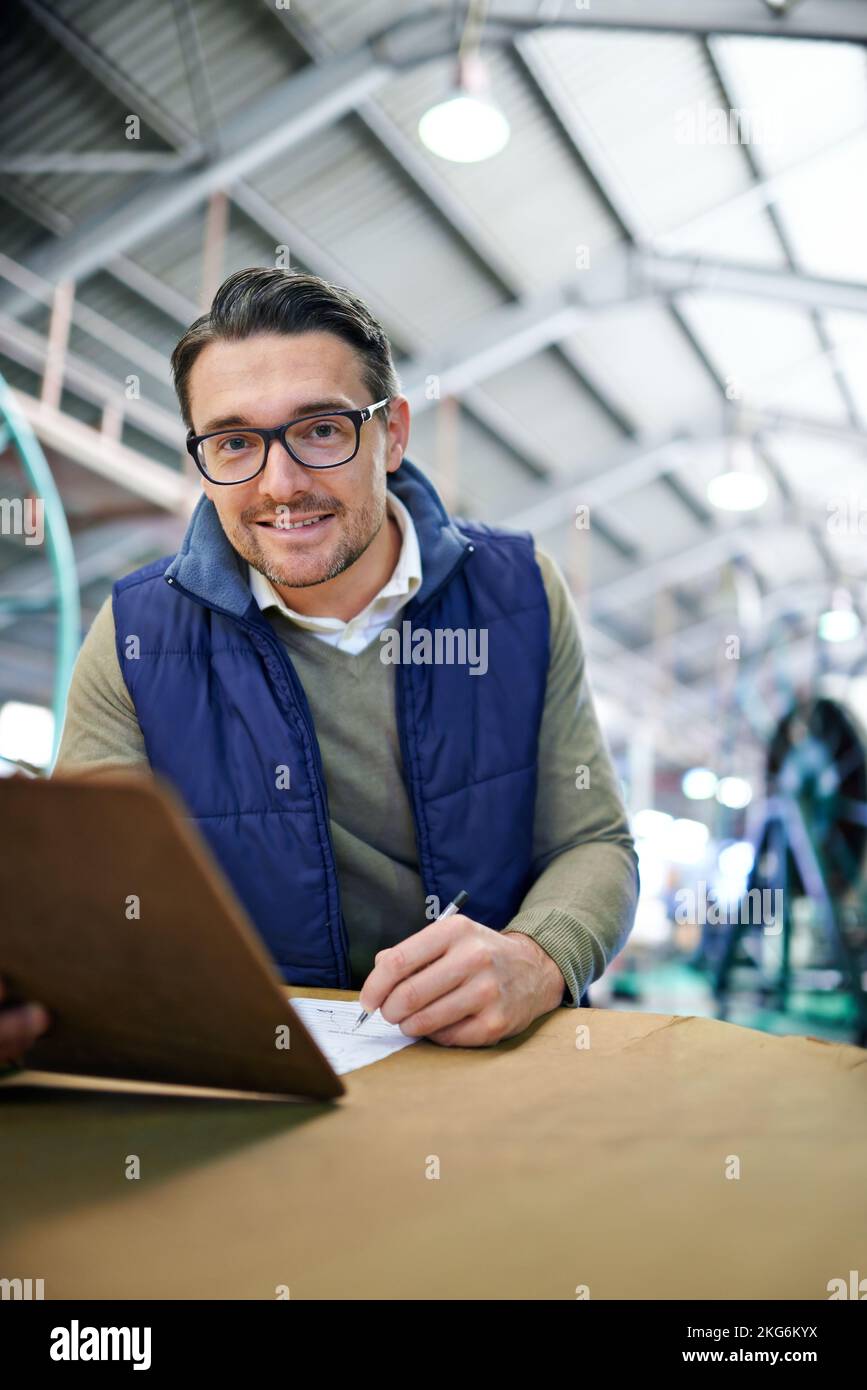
[304, 523]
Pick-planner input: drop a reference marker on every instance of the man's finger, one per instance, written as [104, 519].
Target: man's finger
[473, 1031]
[428, 984]
[450, 1009]
[405, 958]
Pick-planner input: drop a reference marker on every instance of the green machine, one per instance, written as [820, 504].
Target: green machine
[15, 430]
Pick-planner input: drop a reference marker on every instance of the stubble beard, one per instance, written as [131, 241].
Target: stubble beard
[357, 532]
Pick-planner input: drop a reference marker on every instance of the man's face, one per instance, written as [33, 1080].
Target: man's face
[266, 381]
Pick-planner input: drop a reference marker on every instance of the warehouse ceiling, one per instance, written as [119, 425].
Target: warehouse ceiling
[623, 300]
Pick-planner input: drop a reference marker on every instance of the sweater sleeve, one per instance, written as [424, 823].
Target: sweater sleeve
[100, 728]
[582, 904]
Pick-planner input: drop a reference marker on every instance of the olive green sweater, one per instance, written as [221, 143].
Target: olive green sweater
[581, 906]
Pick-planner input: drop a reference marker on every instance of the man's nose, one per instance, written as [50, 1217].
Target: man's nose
[282, 473]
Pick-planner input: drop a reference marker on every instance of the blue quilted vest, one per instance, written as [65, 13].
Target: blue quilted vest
[224, 716]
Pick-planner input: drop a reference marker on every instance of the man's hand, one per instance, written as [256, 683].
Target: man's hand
[20, 1026]
[462, 984]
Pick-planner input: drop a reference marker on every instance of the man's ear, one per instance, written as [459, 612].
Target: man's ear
[398, 432]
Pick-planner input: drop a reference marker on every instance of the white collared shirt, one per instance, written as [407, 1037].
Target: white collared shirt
[365, 627]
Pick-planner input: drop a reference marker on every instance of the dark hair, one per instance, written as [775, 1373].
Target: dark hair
[286, 301]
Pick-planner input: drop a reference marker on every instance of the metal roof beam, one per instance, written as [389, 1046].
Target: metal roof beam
[762, 195]
[461, 220]
[841, 20]
[162, 486]
[129, 92]
[696, 639]
[456, 213]
[309, 101]
[633, 466]
[95, 162]
[677, 568]
[95, 325]
[33, 350]
[641, 462]
[503, 337]
[777, 221]
[654, 273]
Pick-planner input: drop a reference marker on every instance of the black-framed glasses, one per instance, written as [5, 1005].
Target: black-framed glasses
[314, 441]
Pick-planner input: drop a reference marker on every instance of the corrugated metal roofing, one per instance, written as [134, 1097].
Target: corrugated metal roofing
[341, 25]
[241, 43]
[650, 370]
[436, 247]
[533, 222]
[358, 206]
[803, 97]
[764, 353]
[824, 210]
[545, 398]
[648, 100]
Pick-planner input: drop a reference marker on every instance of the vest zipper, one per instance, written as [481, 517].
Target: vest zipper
[344, 968]
[429, 886]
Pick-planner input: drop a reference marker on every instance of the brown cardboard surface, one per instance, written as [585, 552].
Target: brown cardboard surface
[183, 993]
[559, 1167]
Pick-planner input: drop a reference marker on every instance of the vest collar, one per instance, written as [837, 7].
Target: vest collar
[212, 571]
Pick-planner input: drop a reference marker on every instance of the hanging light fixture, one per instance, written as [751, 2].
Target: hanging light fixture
[741, 487]
[468, 125]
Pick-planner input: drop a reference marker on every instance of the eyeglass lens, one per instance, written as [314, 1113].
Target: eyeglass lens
[321, 442]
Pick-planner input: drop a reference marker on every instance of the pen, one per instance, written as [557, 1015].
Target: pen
[454, 906]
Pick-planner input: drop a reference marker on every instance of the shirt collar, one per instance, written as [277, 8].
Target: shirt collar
[404, 582]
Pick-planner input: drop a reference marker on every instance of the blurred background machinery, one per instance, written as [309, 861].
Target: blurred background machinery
[621, 252]
[800, 928]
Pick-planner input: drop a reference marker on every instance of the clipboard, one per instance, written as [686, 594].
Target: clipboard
[179, 989]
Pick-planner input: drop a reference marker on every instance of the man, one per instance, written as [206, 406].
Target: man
[366, 705]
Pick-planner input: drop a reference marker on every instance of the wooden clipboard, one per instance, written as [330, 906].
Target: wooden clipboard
[184, 992]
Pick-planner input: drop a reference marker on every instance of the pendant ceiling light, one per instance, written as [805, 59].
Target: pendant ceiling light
[741, 488]
[467, 125]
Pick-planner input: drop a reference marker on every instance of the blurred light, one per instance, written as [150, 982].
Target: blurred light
[464, 129]
[734, 792]
[26, 733]
[651, 825]
[652, 926]
[737, 491]
[662, 838]
[838, 626]
[735, 862]
[736, 859]
[839, 623]
[652, 867]
[687, 841]
[699, 783]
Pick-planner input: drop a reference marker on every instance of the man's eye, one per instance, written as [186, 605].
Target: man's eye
[234, 443]
[323, 429]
